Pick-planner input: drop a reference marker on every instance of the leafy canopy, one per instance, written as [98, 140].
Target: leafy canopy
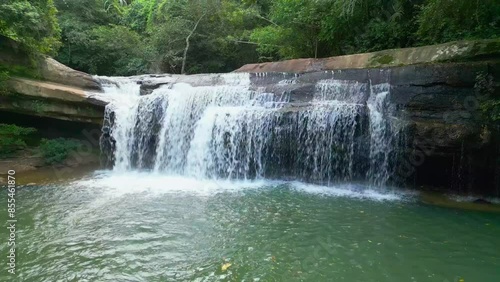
[126, 37]
[31, 22]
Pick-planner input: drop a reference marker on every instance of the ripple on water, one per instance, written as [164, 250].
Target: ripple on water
[141, 227]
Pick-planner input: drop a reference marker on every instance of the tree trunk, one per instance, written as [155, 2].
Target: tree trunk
[316, 48]
[184, 57]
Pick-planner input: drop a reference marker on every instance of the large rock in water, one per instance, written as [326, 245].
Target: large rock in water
[53, 100]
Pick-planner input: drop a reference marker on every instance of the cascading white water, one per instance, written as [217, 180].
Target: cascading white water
[186, 105]
[380, 137]
[234, 130]
[340, 90]
[123, 95]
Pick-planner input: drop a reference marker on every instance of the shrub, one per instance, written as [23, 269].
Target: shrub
[4, 76]
[447, 20]
[55, 151]
[12, 138]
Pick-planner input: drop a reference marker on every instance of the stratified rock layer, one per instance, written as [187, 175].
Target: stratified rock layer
[447, 52]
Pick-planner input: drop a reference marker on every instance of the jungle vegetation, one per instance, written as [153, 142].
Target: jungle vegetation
[127, 37]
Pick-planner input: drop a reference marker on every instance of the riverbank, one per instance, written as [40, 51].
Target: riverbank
[31, 169]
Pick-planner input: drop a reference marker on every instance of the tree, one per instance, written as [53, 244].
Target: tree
[293, 29]
[447, 20]
[320, 28]
[186, 49]
[32, 23]
[195, 36]
[95, 41]
[124, 37]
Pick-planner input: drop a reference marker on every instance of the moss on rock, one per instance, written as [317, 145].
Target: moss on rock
[381, 60]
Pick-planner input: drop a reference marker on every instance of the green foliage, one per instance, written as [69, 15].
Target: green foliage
[217, 33]
[127, 37]
[33, 23]
[489, 103]
[491, 110]
[4, 76]
[301, 28]
[447, 20]
[12, 138]
[94, 41]
[293, 29]
[119, 51]
[56, 151]
[138, 14]
[379, 35]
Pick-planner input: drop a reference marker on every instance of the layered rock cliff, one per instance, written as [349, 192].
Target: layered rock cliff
[452, 142]
[41, 86]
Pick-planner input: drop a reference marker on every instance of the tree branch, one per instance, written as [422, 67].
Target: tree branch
[266, 19]
[184, 57]
[255, 43]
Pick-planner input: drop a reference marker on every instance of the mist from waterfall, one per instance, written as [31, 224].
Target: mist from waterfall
[235, 130]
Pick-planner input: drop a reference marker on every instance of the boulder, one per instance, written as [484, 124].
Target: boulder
[54, 71]
[40, 86]
[147, 87]
[36, 66]
[48, 99]
[47, 90]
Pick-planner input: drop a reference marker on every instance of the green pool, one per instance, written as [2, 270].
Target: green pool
[144, 227]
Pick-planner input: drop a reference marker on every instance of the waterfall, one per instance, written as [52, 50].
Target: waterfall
[223, 126]
[383, 140]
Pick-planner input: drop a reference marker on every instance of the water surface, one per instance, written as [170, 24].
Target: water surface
[141, 227]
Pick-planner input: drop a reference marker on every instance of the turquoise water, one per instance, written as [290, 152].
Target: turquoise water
[142, 227]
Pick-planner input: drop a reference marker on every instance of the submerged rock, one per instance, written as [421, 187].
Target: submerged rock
[482, 202]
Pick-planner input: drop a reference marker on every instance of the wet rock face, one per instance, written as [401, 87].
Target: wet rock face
[147, 87]
[453, 145]
[447, 144]
[450, 144]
